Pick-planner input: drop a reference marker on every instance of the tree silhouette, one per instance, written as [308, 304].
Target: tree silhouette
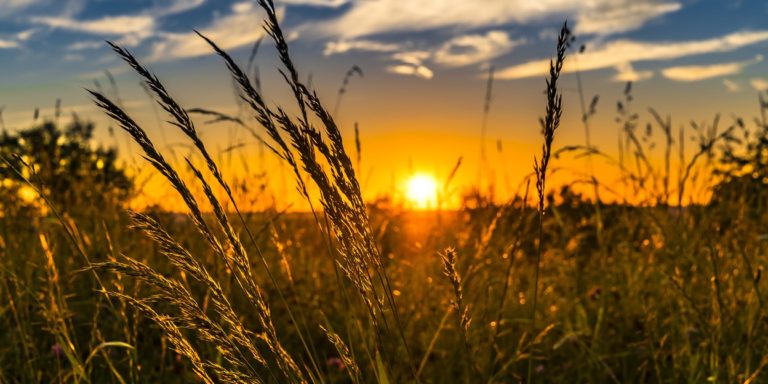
[64, 164]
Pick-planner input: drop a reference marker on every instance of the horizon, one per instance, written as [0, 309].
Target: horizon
[424, 78]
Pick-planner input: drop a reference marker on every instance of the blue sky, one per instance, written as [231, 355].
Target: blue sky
[424, 61]
[51, 39]
[54, 47]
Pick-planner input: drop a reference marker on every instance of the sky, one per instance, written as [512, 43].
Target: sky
[419, 104]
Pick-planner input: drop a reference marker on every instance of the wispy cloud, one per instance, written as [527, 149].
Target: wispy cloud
[759, 84]
[608, 18]
[9, 7]
[412, 57]
[132, 29]
[316, 3]
[7, 44]
[236, 29]
[703, 72]
[16, 40]
[108, 25]
[411, 63]
[473, 49]
[418, 70]
[626, 72]
[616, 54]
[83, 45]
[459, 51]
[25, 34]
[344, 46]
[731, 85]
[365, 18]
[174, 7]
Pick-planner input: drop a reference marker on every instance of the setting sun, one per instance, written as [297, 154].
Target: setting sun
[421, 191]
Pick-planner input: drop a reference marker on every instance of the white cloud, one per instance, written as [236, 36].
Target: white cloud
[472, 49]
[343, 46]
[609, 18]
[17, 3]
[175, 7]
[459, 51]
[618, 53]
[82, 45]
[731, 85]
[411, 70]
[25, 34]
[412, 57]
[626, 72]
[9, 7]
[702, 72]
[109, 25]
[384, 16]
[132, 29]
[759, 84]
[239, 28]
[7, 44]
[16, 39]
[316, 3]
[134, 39]
[411, 63]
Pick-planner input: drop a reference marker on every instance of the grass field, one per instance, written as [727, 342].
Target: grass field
[655, 279]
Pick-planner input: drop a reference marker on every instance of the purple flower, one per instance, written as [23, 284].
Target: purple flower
[57, 350]
[336, 362]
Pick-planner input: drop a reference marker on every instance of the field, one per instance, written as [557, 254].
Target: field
[654, 279]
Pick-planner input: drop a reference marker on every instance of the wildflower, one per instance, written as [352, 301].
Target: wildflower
[57, 350]
[336, 362]
[595, 293]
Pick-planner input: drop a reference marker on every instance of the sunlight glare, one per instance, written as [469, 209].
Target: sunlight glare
[421, 191]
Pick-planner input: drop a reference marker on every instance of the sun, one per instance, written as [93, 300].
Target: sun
[421, 191]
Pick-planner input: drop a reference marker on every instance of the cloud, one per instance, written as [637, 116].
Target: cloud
[239, 28]
[703, 72]
[7, 44]
[731, 85]
[175, 7]
[344, 46]
[411, 63]
[25, 34]
[109, 25]
[459, 51]
[412, 57]
[132, 29]
[9, 7]
[316, 3]
[472, 49]
[759, 84]
[365, 18]
[626, 72]
[607, 19]
[83, 45]
[411, 70]
[620, 52]
[5, 4]
[16, 39]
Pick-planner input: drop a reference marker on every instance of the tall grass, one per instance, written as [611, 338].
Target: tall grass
[549, 125]
[354, 292]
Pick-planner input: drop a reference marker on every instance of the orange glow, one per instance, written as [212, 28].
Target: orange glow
[27, 194]
[421, 191]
